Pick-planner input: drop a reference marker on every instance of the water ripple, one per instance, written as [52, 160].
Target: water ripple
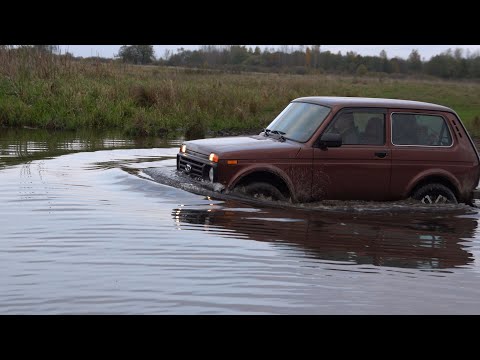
[85, 233]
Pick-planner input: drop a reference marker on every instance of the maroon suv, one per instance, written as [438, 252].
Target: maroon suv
[347, 149]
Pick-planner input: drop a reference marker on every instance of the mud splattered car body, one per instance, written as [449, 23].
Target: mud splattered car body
[346, 149]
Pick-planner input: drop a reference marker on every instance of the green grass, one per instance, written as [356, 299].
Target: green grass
[147, 100]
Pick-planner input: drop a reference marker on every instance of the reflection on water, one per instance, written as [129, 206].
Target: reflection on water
[85, 231]
[20, 145]
[422, 242]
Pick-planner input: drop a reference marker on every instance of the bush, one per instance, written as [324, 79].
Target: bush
[361, 70]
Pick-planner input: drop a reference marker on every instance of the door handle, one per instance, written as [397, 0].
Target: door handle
[381, 154]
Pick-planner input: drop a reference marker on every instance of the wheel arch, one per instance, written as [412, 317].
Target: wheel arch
[270, 175]
[437, 177]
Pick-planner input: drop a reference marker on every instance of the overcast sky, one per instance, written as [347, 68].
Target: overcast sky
[426, 51]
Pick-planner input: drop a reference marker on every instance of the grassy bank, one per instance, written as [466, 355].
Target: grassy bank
[44, 91]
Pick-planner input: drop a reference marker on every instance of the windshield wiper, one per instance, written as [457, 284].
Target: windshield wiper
[281, 133]
[266, 131]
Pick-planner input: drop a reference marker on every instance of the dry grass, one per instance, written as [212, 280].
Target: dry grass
[46, 91]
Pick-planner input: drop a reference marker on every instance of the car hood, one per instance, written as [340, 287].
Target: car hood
[245, 147]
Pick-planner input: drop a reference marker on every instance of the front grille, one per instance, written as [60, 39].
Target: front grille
[196, 167]
[197, 154]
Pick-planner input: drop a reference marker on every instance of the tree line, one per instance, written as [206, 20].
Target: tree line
[303, 59]
[451, 64]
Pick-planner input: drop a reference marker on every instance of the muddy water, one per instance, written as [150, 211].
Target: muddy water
[84, 228]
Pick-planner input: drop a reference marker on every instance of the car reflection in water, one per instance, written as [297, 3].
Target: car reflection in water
[402, 240]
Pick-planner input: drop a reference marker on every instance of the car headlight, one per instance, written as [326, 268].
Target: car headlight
[211, 173]
[183, 148]
[213, 157]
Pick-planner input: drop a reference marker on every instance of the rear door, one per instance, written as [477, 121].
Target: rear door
[361, 168]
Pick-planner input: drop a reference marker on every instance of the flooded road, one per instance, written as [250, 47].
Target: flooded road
[85, 231]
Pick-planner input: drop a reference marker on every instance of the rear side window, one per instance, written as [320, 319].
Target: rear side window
[416, 129]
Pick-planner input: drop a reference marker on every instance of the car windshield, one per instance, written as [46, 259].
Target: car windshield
[298, 121]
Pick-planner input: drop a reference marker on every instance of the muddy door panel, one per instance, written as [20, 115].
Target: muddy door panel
[352, 173]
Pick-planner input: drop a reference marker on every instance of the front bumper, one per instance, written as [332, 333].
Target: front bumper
[196, 166]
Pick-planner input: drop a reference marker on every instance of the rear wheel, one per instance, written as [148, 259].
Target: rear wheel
[263, 190]
[435, 194]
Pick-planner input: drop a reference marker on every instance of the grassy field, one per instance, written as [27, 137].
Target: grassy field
[57, 93]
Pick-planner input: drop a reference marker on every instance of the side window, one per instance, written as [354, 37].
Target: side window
[416, 129]
[359, 127]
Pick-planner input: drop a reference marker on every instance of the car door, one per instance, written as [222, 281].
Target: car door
[360, 168]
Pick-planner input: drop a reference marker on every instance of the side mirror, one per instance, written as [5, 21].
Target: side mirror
[329, 140]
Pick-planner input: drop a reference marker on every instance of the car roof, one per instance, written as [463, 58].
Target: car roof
[371, 102]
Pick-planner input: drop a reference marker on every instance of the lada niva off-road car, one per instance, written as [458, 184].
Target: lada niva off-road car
[345, 148]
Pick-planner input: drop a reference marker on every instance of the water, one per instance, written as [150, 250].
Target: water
[86, 232]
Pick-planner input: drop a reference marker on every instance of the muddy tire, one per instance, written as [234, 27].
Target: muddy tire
[265, 190]
[435, 194]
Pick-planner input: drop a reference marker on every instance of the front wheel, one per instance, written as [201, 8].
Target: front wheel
[263, 190]
[435, 194]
